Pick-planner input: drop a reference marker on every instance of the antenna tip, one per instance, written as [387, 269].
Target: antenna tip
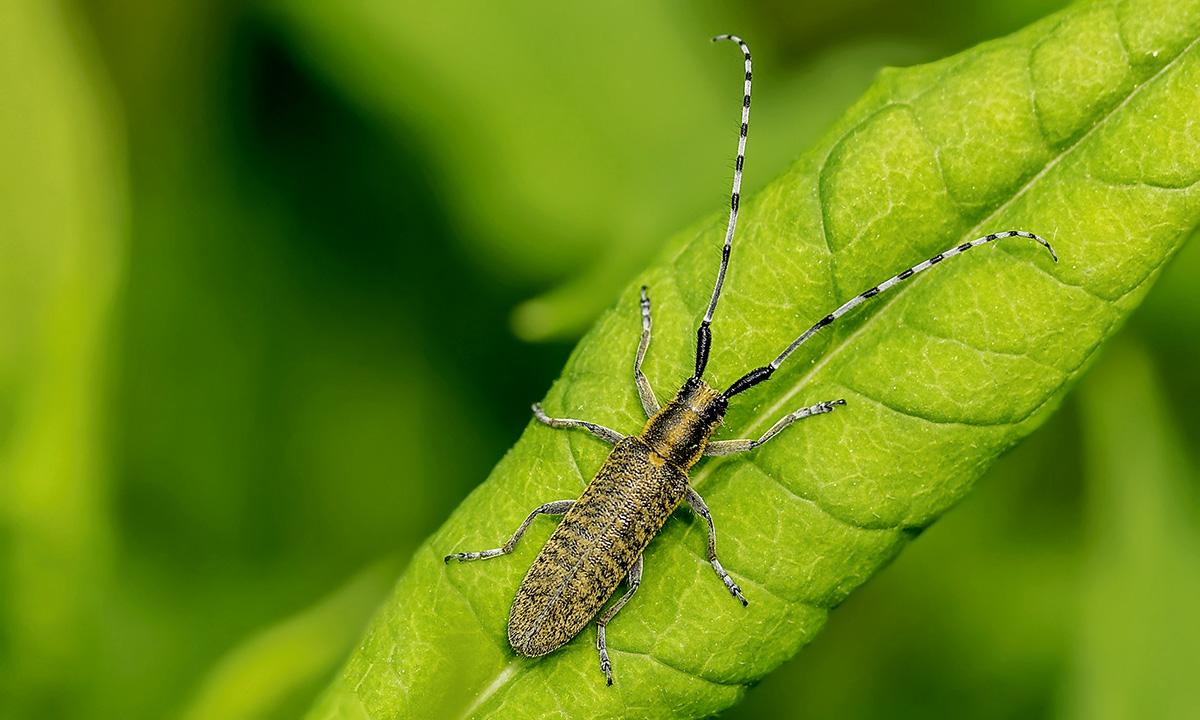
[1043, 242]
[1040, 240]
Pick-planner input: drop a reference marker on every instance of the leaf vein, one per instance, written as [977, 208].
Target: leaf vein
[983, 352]
[679, 670]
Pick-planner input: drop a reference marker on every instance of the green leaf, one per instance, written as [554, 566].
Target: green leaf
[1078, 128]
[259, 677]
[553, 158]
[539, 158]
[62, 199]
[1137, 626]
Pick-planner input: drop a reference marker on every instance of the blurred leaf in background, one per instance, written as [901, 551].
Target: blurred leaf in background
[318, 221]
[1138, 633]
[62, 223]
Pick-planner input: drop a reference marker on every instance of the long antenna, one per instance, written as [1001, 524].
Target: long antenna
[703, 334]
[758, 375]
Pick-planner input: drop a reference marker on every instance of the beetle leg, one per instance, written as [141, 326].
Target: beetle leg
[645, 393]
[558, 507]
[729, 447]
[635, 579]
[599, 431]
[693, 498]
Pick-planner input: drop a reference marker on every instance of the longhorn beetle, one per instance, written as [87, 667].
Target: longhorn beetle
[602, 534]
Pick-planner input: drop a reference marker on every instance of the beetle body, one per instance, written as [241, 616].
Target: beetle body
[637, 488]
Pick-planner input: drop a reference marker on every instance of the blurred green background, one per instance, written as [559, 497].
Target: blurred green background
[279, 280]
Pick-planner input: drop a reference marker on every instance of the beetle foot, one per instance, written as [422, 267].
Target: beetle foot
[605, 665]
[730, 585]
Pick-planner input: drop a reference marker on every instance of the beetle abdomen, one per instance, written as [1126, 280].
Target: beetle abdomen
[591, 551]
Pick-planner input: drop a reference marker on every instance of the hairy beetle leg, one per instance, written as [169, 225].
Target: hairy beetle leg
[729, 447]
[635, 579]
[697, 504]
[599, 431]
[645, 393]
[558, 507]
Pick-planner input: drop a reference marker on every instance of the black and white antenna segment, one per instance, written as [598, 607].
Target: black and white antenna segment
[704, 335]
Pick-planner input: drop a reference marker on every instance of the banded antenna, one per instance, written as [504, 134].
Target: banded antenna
[758, 375]
[704, 334]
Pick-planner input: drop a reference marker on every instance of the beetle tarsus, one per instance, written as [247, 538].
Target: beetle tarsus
[605, 665]
[737, 593]
[730, 585]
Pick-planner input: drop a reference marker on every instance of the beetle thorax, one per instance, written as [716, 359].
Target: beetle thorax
[681, 429]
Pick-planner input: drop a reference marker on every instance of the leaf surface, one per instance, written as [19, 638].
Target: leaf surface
[1079, 128]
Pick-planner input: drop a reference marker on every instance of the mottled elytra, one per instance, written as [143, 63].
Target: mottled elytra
[604, 532]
